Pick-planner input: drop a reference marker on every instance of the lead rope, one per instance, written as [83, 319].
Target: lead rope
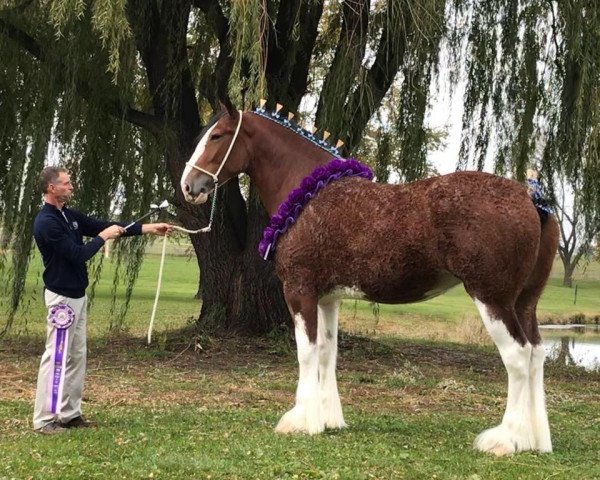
[200, 230]
[160, 272]
[162, 259]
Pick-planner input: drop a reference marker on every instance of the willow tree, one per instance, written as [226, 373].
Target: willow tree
[533, 85]
[119, 90]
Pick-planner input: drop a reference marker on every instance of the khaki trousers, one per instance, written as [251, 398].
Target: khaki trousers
[68, 399]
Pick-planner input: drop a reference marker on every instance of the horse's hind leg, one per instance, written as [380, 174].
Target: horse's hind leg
[306, 416]
[526, 306]
[515, 433]
[327, 342]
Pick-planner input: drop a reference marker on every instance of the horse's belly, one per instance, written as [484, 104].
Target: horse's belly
[409, 290]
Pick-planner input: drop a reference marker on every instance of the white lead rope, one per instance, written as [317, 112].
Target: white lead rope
[162, 263]
[160, 272]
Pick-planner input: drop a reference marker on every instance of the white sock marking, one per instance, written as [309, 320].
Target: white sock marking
[306, 415]
[522, 426]
[327, 342]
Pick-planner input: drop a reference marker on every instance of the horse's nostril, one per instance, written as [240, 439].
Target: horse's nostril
[186, 188]
[203, 190]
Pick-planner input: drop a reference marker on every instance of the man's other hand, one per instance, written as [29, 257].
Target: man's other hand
[114, 231]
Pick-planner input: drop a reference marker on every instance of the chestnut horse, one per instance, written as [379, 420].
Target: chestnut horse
[389, 244]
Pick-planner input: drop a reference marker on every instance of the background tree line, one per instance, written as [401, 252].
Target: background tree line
[118, 90]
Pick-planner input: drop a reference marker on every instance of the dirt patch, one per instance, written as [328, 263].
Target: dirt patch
[235, 372]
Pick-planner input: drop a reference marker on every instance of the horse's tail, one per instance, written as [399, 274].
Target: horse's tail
[548, 247]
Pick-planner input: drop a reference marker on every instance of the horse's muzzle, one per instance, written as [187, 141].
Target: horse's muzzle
[198, 199]
[197, 190]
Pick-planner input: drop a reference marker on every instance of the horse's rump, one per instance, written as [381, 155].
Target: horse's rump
[405, 243]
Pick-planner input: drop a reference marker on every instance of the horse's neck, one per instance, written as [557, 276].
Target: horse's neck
[281, 160]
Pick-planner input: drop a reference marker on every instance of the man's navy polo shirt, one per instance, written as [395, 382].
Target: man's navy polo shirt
[60, 240]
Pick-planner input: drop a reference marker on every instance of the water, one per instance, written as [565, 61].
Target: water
[573, 344]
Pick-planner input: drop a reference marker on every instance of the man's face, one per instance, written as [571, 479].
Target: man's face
[62, 189]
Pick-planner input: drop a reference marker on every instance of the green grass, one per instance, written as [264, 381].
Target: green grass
[183, 443]
[195, 406]
[211, 414]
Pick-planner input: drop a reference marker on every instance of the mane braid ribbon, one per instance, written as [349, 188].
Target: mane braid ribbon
[288, 211]
[298, 130]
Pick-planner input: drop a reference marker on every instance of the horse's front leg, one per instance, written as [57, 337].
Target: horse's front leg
[327, 333]
[306, 416]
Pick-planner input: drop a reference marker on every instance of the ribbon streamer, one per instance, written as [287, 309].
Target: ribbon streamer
[60, 317]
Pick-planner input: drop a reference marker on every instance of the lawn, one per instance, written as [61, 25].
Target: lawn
[193, 405]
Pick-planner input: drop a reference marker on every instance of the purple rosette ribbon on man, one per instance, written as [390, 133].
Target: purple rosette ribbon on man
[60, 317]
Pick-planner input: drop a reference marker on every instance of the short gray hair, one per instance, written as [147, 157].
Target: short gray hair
[49, 175]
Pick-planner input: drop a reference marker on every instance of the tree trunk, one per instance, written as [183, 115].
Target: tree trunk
[569, 269]
[240, 291]
[568, 278]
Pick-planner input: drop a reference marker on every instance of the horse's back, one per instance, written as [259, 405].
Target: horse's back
[405, 243]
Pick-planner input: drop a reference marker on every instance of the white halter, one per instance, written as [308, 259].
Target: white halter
[216, 175]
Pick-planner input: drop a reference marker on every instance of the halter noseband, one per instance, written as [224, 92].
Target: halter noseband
[215, 176]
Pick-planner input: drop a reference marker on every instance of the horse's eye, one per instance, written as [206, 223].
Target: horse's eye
[215, 136]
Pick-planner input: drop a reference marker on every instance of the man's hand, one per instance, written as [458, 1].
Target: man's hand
[157, 228]
[114, 231]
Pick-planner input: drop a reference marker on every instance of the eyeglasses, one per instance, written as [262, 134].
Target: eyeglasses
[61, 184]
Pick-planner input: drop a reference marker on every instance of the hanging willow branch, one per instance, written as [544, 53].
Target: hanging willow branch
[248, 25]
[118, 90]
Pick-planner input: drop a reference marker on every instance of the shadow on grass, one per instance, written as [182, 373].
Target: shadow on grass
[189, 347]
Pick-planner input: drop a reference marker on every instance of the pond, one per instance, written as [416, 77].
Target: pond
[573, 344]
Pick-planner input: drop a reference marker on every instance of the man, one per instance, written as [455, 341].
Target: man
[58, 233]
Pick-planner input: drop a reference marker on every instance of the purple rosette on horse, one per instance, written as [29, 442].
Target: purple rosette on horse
[288, 211]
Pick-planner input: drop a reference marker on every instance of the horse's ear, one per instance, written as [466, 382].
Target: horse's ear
[226, 105]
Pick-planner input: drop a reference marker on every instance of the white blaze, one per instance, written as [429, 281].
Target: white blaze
[195, 156]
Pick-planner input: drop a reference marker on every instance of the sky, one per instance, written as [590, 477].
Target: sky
[446, 113]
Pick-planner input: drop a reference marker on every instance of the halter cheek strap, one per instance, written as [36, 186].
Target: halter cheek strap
[215, 176]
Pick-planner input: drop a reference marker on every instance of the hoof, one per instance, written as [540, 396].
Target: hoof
[501, 441]
[296, 421]
[336, 424]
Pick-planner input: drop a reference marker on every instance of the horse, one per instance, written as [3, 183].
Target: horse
[339, 235]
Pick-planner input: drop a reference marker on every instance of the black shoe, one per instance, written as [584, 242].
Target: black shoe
[78, 422]
[51, 428]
